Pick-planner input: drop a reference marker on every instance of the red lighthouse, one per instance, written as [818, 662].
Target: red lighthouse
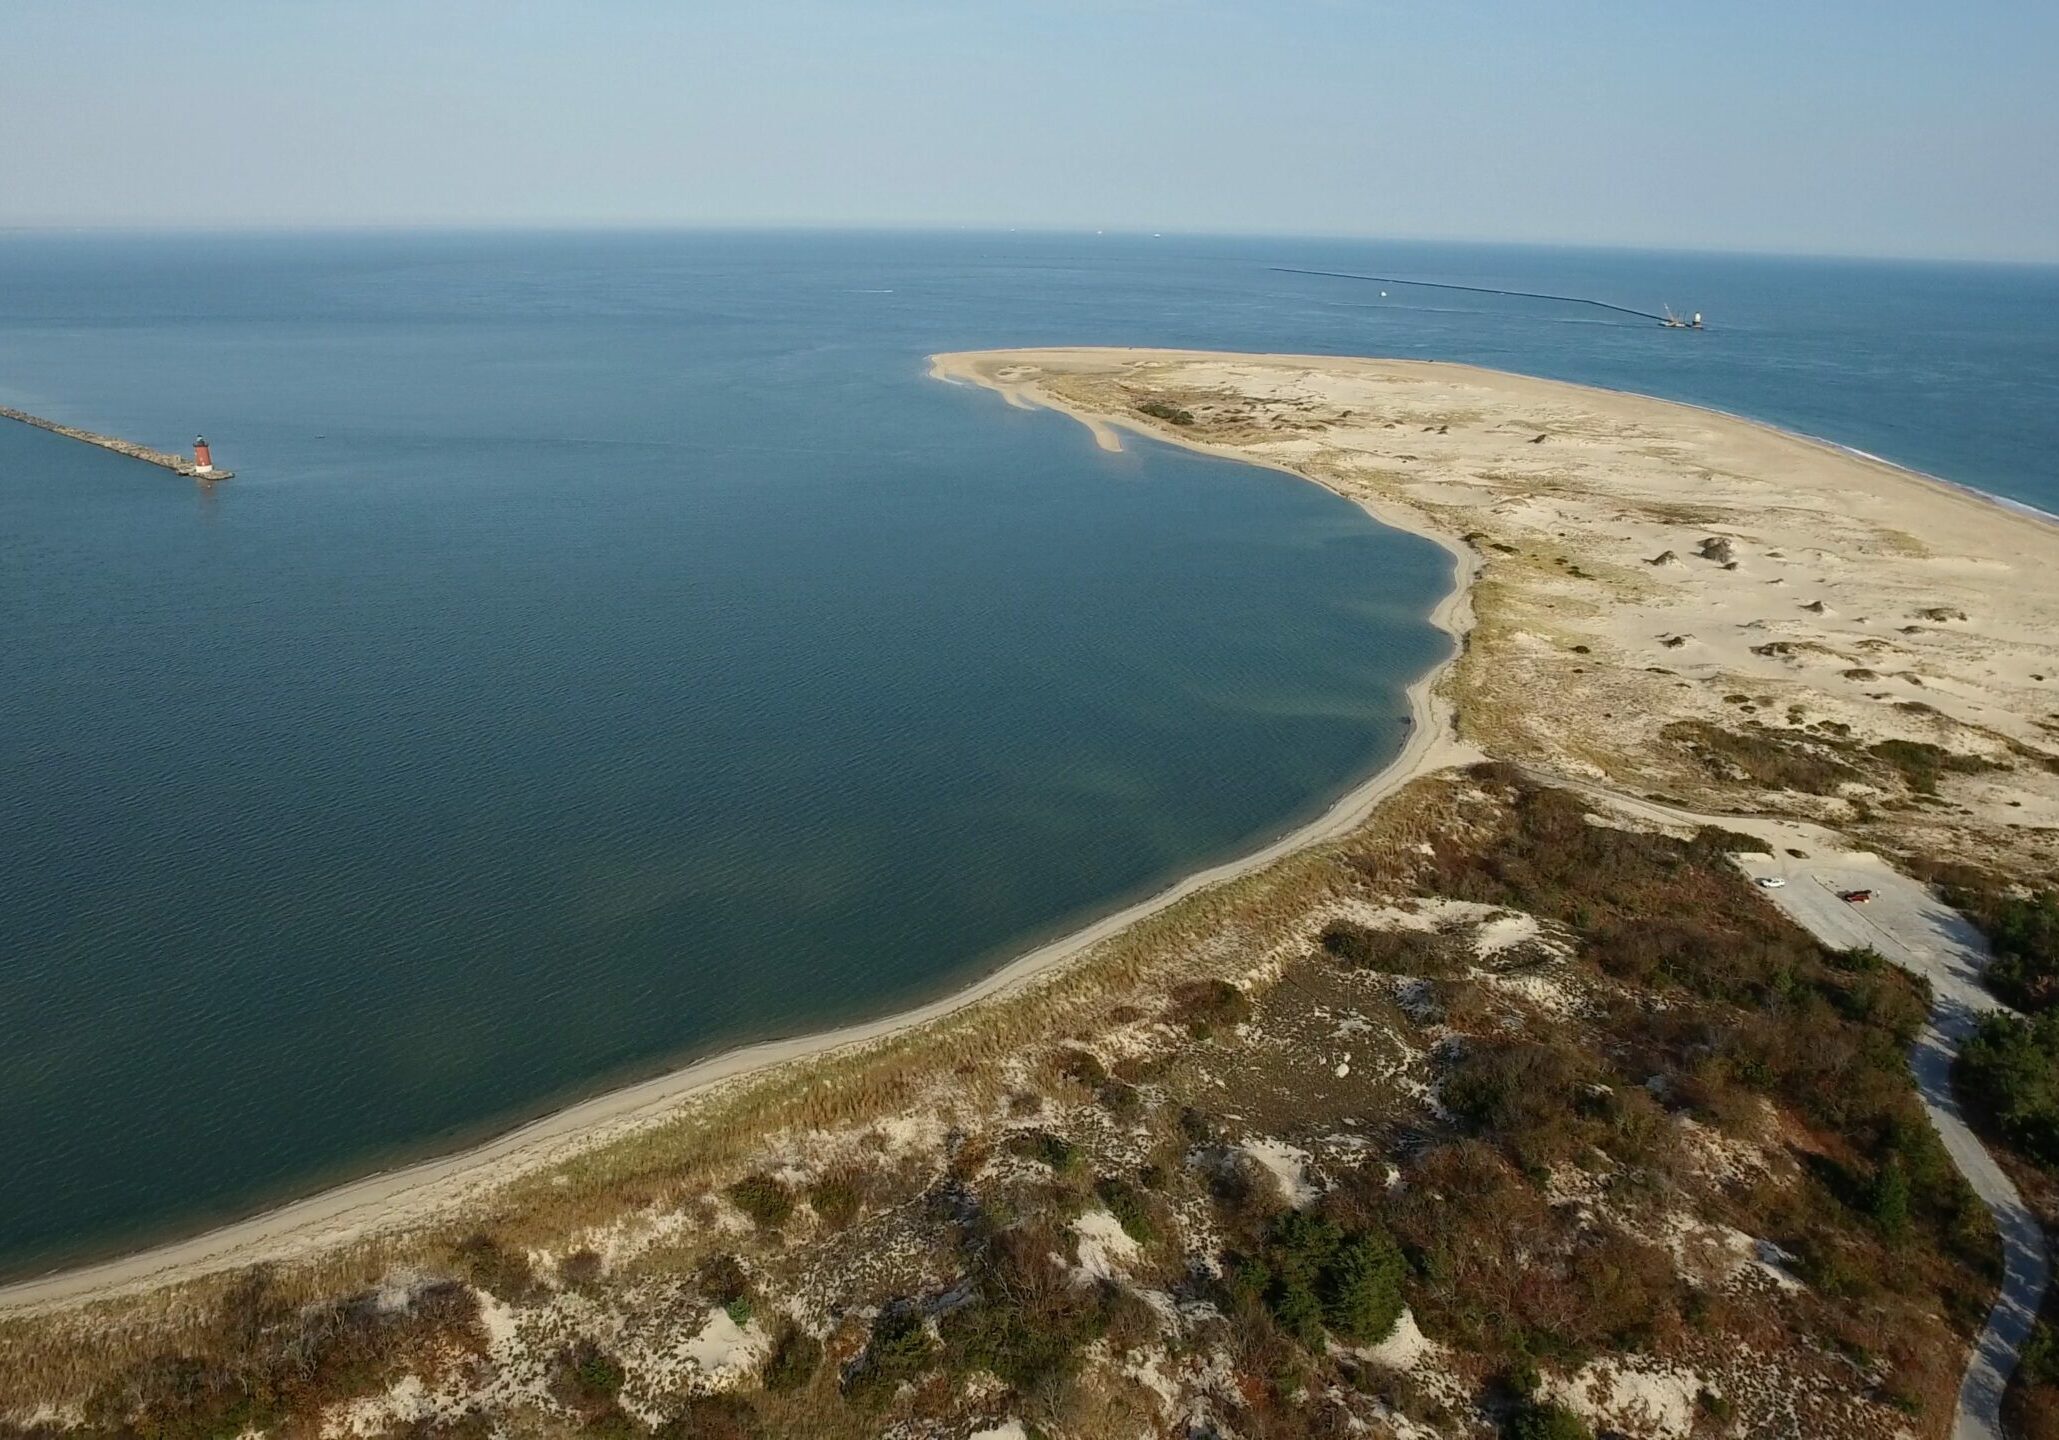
[203, 460]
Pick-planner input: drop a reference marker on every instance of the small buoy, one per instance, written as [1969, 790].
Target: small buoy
[1383, 294]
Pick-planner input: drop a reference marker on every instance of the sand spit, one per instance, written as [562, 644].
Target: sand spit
[1792, 566]
[1671, 601]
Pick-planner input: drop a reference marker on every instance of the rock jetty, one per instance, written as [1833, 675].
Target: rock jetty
[180, 463]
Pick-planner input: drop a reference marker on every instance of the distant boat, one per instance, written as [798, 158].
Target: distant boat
[1674, 322]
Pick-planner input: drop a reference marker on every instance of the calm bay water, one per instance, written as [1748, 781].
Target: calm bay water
[614, 647]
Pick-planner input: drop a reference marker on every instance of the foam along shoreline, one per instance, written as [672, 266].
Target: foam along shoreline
[397, 1200]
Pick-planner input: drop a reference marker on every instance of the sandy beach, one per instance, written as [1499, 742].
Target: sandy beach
[433, 1190]
[1636, 568]
[1672, 600]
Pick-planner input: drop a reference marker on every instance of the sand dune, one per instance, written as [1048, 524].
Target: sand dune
[1670, 599]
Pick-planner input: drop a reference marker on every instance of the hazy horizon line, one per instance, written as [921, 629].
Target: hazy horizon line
[667, 227]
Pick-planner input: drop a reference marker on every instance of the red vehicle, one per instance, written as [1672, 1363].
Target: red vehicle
[1855, 897]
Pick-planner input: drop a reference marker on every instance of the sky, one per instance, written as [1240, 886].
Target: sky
[1870, 127]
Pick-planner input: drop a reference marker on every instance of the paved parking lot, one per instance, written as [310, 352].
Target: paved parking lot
[1910, 926]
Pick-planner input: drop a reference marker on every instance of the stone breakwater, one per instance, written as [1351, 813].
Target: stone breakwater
[180, 463]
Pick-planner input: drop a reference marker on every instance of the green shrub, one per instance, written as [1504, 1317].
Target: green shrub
[1055, 1151]
[1865, 960]
[1920, 763]
[1126, 1204]
[1005, 1338]
[1205, 1006]
[1730, 842]
[2010, 1069]
[1772, 762]
[795, 1357]
[765, 1198]
[1081, 1067]
[1314, 1276]
[836, 1199]
[1391, 952]
[2040, 1359]
[2023, 932]
[1936, 1189]
[1167, 411]
[1025, 1321]
[1888, 1000]
[899, 1350]
[1361, 1289]
[1887, 1199]
[595, 1371]
[721, 1279]
[501, 1273]
[587, 1380]
[1546, 1422]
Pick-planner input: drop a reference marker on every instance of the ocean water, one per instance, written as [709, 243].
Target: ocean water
[614, 647]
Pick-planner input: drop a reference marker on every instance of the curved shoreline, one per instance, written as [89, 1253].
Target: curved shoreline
[951, 367]
[395, 1201]
[1928, 940]
[392, 1201]
[1945, 952]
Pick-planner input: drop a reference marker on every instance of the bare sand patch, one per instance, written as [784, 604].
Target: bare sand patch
[1670, 600]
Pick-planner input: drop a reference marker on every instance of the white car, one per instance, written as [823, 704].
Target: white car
[1770, 882]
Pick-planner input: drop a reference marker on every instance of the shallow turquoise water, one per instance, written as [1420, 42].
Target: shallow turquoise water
[615, 647]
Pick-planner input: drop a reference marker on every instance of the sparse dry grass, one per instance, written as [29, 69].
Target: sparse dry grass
[712, 1141]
